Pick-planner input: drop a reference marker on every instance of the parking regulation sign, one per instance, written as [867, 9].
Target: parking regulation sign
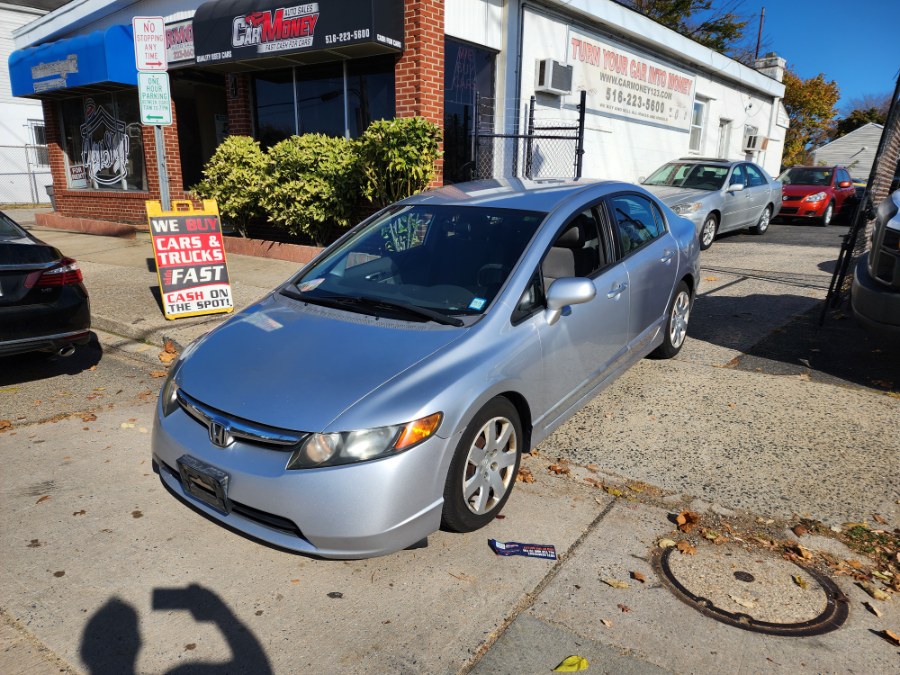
[155, 98]
[149, 43]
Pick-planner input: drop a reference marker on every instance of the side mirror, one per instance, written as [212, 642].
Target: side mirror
[845, 184]
[565, 292]
[735, 187]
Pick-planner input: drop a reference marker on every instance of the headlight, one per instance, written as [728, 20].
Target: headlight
[358, 446]
[819, 196]
[169, 395]
[686, 208]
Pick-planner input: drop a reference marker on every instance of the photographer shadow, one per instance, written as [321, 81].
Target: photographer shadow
[111, 640]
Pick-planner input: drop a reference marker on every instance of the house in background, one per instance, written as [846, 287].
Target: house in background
[24, 162]
[855, 151]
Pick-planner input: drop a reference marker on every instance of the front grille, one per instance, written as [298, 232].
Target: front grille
[232, 428]
[791, 198]
[789, 209]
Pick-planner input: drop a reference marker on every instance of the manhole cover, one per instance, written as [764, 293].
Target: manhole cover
[754, 590]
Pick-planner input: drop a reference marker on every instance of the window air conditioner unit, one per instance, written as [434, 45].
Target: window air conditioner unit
[755, 143]
[553, 77]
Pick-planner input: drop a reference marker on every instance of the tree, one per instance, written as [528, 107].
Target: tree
[856, 119]
[720, 27]
[810, 105]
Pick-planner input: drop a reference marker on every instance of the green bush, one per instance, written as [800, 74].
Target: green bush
[312, 186]
[235, 178]
[396, 158]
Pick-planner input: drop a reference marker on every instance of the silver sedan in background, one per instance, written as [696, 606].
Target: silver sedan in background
[390, 387]
[718, 195]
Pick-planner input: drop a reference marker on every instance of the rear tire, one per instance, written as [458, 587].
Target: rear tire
[708, 231]
[763, 224]
[677, 323]
[484, 467]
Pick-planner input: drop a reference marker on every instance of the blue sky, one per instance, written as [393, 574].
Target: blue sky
[856, 43]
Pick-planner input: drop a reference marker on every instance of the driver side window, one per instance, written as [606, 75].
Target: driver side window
[737, 176]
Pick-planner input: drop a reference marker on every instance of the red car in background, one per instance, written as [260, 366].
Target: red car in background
[820, 193]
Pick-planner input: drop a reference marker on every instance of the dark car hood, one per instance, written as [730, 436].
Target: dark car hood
[297, 366]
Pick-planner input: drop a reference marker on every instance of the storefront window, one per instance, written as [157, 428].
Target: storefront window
[468, 86]
[310, 99]
[103, 142]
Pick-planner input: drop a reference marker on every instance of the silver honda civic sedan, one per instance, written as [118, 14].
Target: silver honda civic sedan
[390, 387]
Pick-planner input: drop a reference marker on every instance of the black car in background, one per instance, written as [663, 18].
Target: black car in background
[44, 305]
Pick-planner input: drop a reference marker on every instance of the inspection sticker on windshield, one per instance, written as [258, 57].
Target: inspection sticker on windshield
[546, 551]
[477, 304]
[310, 285]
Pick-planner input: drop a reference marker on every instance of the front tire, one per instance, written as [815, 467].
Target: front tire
[763, 224]
[708, 231]
[484, 467]
[825, 221]
[676, 324]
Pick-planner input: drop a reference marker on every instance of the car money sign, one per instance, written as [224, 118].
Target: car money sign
[190, 259]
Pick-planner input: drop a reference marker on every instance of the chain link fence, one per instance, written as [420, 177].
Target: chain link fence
[549, 146]
[24, 174]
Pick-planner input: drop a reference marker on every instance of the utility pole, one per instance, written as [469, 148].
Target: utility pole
[762, 18]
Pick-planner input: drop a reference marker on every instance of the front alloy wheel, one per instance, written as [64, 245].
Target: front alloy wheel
[484, 467]
[826, 217]
[708, 231]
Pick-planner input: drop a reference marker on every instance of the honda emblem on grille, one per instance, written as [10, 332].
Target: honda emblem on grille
[218, 435]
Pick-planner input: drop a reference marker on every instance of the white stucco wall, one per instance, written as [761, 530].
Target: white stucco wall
[622, 147]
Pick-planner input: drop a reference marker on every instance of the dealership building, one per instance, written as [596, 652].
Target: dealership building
[537, 89]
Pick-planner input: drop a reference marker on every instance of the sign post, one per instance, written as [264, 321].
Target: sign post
[153, 88]
[190, 259]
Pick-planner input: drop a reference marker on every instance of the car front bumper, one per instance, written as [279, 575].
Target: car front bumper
[352, 511]
[875, 306]
[801, 209]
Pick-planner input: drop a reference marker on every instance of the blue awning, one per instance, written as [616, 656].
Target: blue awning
[100, 61]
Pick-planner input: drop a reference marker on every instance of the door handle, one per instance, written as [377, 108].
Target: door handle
[668, 254]
[617, 290]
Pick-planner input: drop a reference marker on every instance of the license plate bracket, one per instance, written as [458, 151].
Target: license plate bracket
[205, 482]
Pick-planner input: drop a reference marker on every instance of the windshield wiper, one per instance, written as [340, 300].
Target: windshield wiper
[354, 302]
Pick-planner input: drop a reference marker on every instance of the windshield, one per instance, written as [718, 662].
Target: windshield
[445, 259]
[694, 176]
[803, 175]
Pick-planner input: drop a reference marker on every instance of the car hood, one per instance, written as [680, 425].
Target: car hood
[803, 190]
[296, 366]
[671, 195]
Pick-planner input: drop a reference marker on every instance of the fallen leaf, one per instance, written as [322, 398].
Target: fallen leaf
[855, 564]
[685, 547]
[93, 368]
[335, 595]
[79, 513]
[167, 357]
[637, 576]
[295, 581]
[593, 481]
[5, 424]
[881, 575]
[158, 373]
[169, 347]
[624, 608]
[799, 530]
[876, 593]
[571, 664]
[666, 543]
[800, 581]
[191, 646]
[593, 468]
[878, 518]
[687, 520]
[615, 583]
[88, 417]
[710, 278]
[744, 602]
[126, 425]
[559, 469]
[710, 534]
[891, 636]
[615, 492]
[525, 475]
[42, 499]
[872, 608]
[59, 574]
[606, 622]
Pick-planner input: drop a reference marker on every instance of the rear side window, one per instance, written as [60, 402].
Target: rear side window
[636, 220]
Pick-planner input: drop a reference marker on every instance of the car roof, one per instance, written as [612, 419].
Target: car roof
[710, 160]
[515, 193]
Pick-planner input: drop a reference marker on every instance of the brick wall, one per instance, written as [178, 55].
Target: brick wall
[237, 93]
[112, 205]
[419, 75]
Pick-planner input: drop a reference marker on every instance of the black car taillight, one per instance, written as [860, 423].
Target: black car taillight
[66, 272]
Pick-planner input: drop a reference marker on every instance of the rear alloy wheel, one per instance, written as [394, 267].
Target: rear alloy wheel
[708, 231]
[483, 469]
[763, 224]
[826, 217]
[677, 323]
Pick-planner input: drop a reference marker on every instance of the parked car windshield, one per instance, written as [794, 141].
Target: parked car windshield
[694, 176]
[444, 259]
[802, 175]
